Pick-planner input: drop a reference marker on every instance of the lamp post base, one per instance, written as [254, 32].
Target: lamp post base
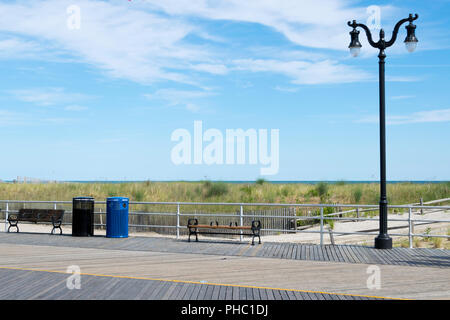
[383, 242]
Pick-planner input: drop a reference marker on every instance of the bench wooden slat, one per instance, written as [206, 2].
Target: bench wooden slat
[37, 215]
[205, 226]
[194, 227]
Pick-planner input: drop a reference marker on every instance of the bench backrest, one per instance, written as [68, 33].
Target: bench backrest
[40, 215]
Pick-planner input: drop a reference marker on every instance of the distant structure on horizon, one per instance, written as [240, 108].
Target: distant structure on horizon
[30, 180]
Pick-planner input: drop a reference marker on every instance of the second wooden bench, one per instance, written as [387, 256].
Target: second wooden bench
[253, 230]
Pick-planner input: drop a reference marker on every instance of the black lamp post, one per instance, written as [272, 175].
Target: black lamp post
[383, 241]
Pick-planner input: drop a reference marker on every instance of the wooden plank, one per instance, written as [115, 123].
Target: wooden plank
[290, 251]
[236, 295]
[294, 252]
[263, 294]
[335, 254]
[229, 293]
[307, 252]
[283, 294]
[173, 289]
[276, 294]
[182, 291]
[303, 252]
[159, 291]
[256, 294]
[350, 254]
[291, 295]
[319, 254]
[249, 293]
[271, 250]
[301, 295]
[316, 252]
[357, 254]
[341, 253]
[242, 293]
[195, 292]
[223, 293]
[208, 292]
[215, 293]
[284, 250]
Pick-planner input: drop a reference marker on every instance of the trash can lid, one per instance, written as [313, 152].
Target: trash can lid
[83, 198]
[117, 199]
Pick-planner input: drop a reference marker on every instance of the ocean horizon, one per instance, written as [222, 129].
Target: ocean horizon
[238, 181]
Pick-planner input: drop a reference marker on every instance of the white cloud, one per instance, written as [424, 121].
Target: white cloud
[286, 89]
[185, 98]
[442, 115]
[16, 119]
[135, 41]
[304, 72]
[306, 22]
[219, 69]
[47, 96]
[122, 41]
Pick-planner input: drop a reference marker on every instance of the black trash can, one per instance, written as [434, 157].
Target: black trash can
[83, 217]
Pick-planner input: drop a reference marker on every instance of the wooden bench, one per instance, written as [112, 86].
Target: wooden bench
[37, 215]
[194, 227]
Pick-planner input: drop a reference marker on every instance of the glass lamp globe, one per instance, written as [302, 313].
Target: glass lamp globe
[411, 45]
[354, 51]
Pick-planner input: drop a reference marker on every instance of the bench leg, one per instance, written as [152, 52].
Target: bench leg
[192, 233]
[255, 234]
[14, 225]
[57, 227]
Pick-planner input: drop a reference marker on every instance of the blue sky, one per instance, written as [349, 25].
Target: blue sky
[101, 102]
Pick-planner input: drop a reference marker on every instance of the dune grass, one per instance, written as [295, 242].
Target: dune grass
[207, 191]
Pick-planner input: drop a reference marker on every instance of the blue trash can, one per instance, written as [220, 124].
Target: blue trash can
[117, 217]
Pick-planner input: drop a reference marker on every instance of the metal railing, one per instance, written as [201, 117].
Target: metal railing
[180, 210]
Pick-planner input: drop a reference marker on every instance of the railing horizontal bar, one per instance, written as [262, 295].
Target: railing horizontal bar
[309, 205]
[430, 235]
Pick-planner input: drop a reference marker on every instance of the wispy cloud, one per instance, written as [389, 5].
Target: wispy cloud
[146, 41]
[186, 98]
[47, 96]
[219, 69]
[305, 72]
[442, 115]
[17, 119]
[286, 89]
[123, 41]
[303, 22]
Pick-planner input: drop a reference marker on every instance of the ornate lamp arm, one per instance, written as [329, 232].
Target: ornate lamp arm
[354, 25]
[397, 27]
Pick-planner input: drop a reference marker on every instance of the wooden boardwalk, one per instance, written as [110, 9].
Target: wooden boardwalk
[341, 253]
[33, 266]
[42, 285]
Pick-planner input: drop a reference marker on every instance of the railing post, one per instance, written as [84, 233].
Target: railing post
[6, 216]
[421, 203]
[241, 222]
[321, 226]
[178, 221]
[410, 228]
